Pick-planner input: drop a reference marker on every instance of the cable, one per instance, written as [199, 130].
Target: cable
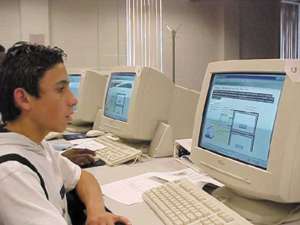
[289, 218]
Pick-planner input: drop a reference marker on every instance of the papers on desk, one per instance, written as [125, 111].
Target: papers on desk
[60, 144]
[185, 143]
[129, 191]
[89, 143]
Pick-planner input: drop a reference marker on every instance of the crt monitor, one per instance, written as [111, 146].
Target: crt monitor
[247, 126]
[136, 100]
[88, 86]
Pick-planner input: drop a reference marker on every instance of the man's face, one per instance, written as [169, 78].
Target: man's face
[52, 110]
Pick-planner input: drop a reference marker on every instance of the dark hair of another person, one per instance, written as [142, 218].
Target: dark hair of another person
[2, 53]
[2, 49]
[23, 67]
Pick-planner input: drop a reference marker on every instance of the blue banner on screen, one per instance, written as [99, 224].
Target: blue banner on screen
[239, 116]
[118, 96]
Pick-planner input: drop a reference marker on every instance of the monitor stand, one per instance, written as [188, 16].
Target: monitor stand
[258, 211]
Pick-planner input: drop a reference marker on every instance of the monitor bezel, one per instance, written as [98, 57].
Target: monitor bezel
[88, 96]
[119, 127]
[279, 182]
[152, 106]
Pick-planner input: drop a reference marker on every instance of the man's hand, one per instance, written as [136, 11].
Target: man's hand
[106, 219]
[80, 156]
[89, 192]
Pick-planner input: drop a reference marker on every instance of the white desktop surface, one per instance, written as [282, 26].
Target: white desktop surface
[140, 213]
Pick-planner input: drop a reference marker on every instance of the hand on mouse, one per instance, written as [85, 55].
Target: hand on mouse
[80, 156]
[107, 218]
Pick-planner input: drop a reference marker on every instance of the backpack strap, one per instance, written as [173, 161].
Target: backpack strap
[24, 161]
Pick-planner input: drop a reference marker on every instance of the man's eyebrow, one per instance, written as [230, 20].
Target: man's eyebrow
[63, 82]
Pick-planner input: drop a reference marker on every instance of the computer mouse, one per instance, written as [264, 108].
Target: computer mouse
[116, 223]
[98, 162]
[209, 187]
[94, 133]
[119, 223]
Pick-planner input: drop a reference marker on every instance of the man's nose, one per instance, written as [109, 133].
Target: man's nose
[72, 99]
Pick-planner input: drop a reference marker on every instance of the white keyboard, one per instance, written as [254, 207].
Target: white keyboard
[183, 203]
[116, 152]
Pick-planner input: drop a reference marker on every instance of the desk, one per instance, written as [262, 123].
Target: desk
[139, 214]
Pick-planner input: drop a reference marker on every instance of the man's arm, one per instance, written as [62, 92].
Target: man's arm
[90, 194]
[23, 200]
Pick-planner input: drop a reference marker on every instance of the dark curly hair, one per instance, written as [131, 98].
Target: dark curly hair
[2, 48]
[24, 66]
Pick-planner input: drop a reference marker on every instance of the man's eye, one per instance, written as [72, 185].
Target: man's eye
[61, 89]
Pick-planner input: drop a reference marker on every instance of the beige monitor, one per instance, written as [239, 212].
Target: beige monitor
[180, 122]
[137, 99]
[182, 112]
[247, 127]
[89, 87]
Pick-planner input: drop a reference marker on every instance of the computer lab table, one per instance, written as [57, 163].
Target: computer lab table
[140, 213]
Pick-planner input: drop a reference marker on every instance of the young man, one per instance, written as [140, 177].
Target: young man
[35, 99]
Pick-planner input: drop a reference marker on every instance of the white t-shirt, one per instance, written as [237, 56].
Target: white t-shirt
[22, 198]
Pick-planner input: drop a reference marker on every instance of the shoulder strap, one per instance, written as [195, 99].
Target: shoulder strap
[24, 161]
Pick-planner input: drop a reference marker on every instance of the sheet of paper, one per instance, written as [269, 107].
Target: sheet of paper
[60, 144]
[129, 191]
[191, 175]
[80, 141]
[185, 143]
[89, 144]
[207, 179]
[188, 173]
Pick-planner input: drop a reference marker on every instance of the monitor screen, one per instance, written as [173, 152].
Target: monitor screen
[118, 95]
[74, 84]
[239, 116]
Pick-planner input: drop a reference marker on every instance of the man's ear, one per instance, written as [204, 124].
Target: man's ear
[22, 99]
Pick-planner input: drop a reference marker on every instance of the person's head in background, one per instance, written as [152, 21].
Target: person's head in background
[34, 89]
[2, 53]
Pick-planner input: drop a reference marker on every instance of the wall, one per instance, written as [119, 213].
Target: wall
[231, 30]
[74, 28]
[34, 21]
[10, 31]
[22, 20]
[259, 29]
[112, 33]
[199, 39]
[92, 33]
